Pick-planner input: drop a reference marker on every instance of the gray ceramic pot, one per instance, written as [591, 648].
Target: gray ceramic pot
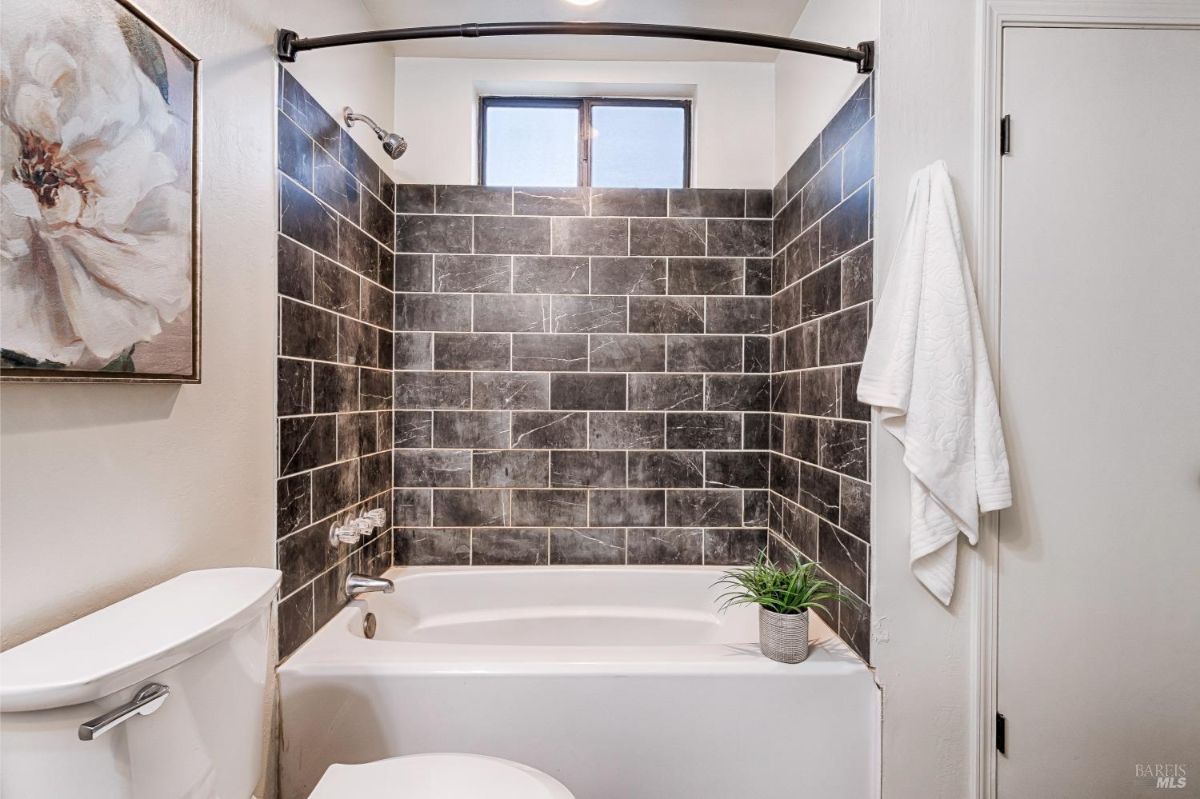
[783, 636]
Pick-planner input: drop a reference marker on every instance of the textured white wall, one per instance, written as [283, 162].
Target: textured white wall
[437, 100]
[108, 489]
[808, 90]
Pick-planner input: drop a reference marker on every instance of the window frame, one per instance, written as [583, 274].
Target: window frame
[584, 105]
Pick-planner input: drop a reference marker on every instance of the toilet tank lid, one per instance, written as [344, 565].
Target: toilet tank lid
[125, 643]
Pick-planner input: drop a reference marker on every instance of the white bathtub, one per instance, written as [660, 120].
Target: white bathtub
[622, 683]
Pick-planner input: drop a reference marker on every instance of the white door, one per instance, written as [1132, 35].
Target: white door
[1099, 588]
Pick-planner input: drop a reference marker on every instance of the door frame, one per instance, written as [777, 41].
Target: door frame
[993, 18]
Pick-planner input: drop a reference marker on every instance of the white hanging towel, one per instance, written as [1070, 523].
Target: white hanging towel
[926, 369]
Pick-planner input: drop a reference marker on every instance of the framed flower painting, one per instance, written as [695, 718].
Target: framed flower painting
[99, 196]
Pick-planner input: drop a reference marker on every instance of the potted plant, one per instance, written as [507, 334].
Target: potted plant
[784, 594]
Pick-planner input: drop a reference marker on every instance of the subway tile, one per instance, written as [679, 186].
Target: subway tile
[307, 332]
[510, 391]
[549, 430]
[295, 270]
[821, 292]
[629, 202]
[441, 312]
[414, 198]
[739, 237]
[472, 273]
[412, 272]
[554, 507]
[779, 195]
[733, 547]
[667, 237]
[293, 382]
[587, 546]
[785, 393]
[704, 508]
[822, 193]
[666, 392]
[570, 314]
[509, 546]
[442, 234]
[377, 220]
[804, 168]
[567, 201]
[519, 313]
[756, 356]
[553, 352]
[756, 430]
[785, 476]
[755, 508]
[801, 346]
[858, 158]
[737, 393]
[512, 235]
[758, 280]
[854, 627]
[335, 488]
[412, 351]
[583, 236]
[593, 392]
[666, 314]
[704, 431]
[848, 119]
[587, 469]
[629, 275]
[819, 392]
[626, 507]
[737, 315]
[474, 200]
[857, 276]
[706, 276]
[358, 344]
[429, 468]
[295, 620]
[335, 288]
[535, 274]
[472, 351]
[485, 507]
[665, 546]
[412, 507]
[374, 390]
[856, 508]
[299, 105]
[374, 474]
[303, 218]
[622, 352]
[843, 447]
[844, 335]
[712, 202]
[787, 225]
[306, 442]
[803, 255]
[734, 469]
[377, 305]
[846, 226]
[511, 468]
[335, 186]
[471, 429]
[666, 469]
[295, 152]
[358, 162]
[801, 438]
[851, 407]
[293, 496]
[759, 204]
[425, 546]
[819, 491]
[704, 354]
[625, 430]
[432, 389]
[844, 557]
[412, 429]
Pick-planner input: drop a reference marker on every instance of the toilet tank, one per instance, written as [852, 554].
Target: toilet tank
[204, 635]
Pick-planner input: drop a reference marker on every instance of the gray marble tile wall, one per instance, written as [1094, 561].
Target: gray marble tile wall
[582, 375]
[820, 491]
[334, 359]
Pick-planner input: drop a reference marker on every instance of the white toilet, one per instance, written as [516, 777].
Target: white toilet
[163, 696]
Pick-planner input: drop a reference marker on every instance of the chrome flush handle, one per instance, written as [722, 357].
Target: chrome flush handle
[148, 699]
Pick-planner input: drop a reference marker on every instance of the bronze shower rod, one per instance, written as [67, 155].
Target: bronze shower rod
[288, 43]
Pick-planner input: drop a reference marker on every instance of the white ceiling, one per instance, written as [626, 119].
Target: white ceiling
[759, 16]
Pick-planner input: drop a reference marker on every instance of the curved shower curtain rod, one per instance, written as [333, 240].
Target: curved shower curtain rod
[288, 43]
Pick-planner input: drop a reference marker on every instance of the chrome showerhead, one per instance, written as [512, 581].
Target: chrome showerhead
[393, 144]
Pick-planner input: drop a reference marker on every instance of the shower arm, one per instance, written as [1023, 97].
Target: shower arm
[351, 117]
[288, 43]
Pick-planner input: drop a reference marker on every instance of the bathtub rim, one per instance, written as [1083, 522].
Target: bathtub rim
[336, 649]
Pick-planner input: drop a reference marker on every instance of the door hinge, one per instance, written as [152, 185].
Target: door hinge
[1001, 742]
[1005, 135]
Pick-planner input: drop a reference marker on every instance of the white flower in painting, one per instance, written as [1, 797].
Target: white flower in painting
[95, 239]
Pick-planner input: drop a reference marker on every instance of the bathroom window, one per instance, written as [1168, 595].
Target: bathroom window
[584, 141]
